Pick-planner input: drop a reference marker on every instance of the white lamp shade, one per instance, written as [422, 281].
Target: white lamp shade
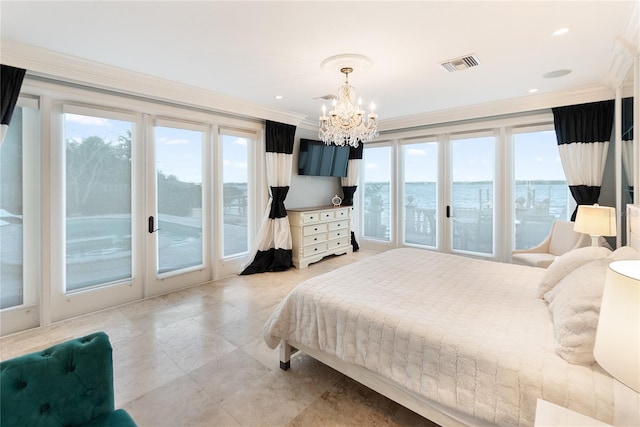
[617, 346]
[596, 220]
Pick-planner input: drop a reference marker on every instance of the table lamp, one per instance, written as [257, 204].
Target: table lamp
[596, 221]
[617, 346]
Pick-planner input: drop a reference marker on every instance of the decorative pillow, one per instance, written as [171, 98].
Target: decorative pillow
[575, 306]
[566, 263]
[624, 252]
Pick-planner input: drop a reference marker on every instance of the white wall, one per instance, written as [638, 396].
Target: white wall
[308, 191]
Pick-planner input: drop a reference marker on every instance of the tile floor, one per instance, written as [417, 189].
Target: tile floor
[196, 357]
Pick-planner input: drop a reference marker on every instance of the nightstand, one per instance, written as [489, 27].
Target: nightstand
[550, 414]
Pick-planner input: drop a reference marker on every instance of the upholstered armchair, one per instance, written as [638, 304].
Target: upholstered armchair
[69, 384]
[560, 240]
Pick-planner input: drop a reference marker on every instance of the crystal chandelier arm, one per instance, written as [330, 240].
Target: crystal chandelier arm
[345, 123]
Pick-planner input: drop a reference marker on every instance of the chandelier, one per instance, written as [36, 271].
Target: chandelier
[345, 124]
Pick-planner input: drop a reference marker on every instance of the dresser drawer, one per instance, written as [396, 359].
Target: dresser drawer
[338, 243]
[327, 216]
[338, 225]
[313, 239]
[308, 230]
[315, 249]
[337, 234]
[341, 213]
[311, 217]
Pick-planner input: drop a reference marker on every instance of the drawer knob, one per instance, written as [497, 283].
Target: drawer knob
[315, 239]
[315, 229]
[315, 249]
[338, 234]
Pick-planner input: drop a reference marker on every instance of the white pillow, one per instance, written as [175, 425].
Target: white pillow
[624, 252]
[566, 263]
[575, 307]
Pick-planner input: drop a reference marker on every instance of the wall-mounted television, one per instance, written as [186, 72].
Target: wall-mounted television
[318, 159]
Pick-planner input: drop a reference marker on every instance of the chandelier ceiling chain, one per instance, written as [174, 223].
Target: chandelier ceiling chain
[345, 124]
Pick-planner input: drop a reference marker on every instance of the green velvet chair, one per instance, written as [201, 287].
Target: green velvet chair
[69, 384]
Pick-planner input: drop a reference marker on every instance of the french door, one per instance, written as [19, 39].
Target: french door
[472, 194]
[95, 204]
[177, 206]
[420, 192]
[106, 205]
[444, 194]
[130, 220]
[447, 193]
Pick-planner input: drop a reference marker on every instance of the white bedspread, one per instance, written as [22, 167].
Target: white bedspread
[468, 334]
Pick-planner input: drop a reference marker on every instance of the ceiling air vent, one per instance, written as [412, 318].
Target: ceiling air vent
[328, 97]
[461, 63]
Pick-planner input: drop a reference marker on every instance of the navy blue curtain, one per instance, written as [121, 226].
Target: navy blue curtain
[627, 146]
[583, 133]
[350, 185]
[271, 251]
[10, 81]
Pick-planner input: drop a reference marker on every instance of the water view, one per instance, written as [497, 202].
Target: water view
[537, 205]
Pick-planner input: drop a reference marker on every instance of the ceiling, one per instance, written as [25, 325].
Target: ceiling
[257, 50]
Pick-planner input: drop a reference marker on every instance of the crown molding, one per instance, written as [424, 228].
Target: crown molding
[625, 49]
[525, 104]
[71, 69]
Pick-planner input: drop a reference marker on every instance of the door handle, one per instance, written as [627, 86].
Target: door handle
[448, 211]
[152, 227]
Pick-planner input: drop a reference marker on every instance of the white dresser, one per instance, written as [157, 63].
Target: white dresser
[319, 232]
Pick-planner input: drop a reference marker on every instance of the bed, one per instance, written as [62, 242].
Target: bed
[460, 341]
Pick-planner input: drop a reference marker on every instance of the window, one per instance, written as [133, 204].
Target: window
[420, 184]
[472, 193]
[98, 192]
[104, 178]
[377, 192]
[540, 188]
[235, 176]
[19, 208]
[179, 197]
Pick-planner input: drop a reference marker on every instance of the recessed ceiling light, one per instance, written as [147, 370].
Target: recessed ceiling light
[560, 31]
[556, 74]
[278, 96]
[534, 90]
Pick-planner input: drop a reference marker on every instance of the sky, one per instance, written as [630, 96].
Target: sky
[178, 152]
[536, 158]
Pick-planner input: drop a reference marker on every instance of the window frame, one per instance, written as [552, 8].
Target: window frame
[28, 315]
[510, 151]
[252, 139]
[65, 304]
[402, 197]
[369, 242]
[500, 127]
